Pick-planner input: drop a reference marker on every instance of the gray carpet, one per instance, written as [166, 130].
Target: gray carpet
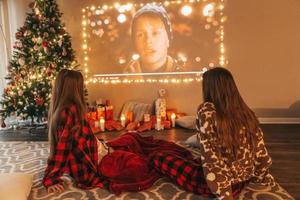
[30, 157]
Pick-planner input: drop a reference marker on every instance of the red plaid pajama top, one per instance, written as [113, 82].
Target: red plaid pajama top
[75, 153]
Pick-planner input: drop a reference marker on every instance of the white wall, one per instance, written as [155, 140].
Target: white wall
[262, 41]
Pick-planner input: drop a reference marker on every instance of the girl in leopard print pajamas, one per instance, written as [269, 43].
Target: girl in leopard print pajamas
[232, 148]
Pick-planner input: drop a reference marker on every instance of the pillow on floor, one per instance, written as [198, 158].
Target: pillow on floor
[188, 122]
[15, 186]
[138, 109]
[192, 141]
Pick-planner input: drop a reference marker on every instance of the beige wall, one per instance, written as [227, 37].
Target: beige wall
[263, 46]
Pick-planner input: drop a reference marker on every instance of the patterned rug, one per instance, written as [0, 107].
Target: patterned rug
[30, 157]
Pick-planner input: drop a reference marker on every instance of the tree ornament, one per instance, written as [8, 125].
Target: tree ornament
[20, 92]
[45, 44]
[39, 40]
[27, 33]
[60, 42]
[64, 53]
[21, 61]
[19, 35]
[39, 101]
[36, 47]
[46, 50]
[46, 34]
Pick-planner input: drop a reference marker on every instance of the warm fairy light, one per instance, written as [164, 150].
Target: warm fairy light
[121, 18]
[124, 8]
[182, 57]
[208, 11]
[221, 7]
[122, 61]
[135, 56]
[117, 5]
[186, 10]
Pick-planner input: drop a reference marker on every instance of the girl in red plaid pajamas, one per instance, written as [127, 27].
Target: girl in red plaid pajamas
[75, 150]
[231, 143]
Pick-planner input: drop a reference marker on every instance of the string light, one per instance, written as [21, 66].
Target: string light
[209, 10]
[121, 18]
[186, 10]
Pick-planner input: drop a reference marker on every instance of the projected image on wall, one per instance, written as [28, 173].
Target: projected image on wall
[156, 37]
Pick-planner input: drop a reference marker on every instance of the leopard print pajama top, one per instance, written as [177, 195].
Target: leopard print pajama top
[220, 173]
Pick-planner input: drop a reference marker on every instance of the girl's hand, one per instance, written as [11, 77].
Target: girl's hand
[56, 188]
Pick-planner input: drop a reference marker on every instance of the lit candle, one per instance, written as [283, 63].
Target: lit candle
[173, 117]
[158, 124]
[123, 120]
[102, 124]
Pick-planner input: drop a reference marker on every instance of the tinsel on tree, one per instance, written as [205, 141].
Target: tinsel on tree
[42, 49]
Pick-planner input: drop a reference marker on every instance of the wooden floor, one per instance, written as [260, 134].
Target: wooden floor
[282, 141]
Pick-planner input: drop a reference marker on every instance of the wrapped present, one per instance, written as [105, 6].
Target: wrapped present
[109, 125]
[118, 126]
[93, 116]
[153, 121]
[129, 117]
[132, 126]
[146, 126]
[109, 111]
[100, 112]
[166, 124]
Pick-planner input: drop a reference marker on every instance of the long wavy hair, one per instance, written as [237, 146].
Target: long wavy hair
[68, 90]
[232, 113]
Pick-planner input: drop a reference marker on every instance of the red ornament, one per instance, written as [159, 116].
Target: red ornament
[17, 77]
[7, 90]
[49, 72]
[45, 44]
[19, 34]
[39, 101]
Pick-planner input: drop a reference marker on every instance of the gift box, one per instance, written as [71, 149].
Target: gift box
[101, 112]
[132, 126]
[129, 117]
[146, 126]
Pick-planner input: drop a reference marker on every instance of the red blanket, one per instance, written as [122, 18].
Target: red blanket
[129, 167]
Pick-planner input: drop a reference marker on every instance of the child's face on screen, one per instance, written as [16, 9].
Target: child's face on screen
[151, 39]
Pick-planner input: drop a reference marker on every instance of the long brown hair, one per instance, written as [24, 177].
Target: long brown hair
[68, 90]
[232, 113]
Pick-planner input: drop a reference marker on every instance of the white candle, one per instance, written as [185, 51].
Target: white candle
[173, 117]
[102, 124]
[123, 120]
[158, 124]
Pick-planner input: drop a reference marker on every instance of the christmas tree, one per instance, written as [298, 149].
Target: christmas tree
[41, 50]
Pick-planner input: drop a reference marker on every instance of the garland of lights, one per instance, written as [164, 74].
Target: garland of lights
[185, 10]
